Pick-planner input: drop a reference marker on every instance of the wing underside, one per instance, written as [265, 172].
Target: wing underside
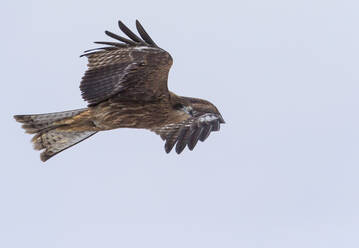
[189, 131]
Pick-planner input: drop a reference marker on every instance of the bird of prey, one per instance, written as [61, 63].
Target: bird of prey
[125, 86]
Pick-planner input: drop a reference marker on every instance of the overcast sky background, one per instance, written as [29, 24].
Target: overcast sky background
[283, 171]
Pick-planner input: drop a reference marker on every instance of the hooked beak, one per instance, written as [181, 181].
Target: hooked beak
[221, 120]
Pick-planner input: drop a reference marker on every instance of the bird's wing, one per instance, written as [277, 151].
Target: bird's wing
[133, 69]
[188, 129]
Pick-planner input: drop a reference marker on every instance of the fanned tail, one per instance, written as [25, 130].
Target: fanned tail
[51, 131]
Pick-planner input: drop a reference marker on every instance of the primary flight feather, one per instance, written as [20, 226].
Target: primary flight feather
[125, 86]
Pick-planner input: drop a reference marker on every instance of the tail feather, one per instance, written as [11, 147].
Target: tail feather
[39, 122]
[55, 141]
[51, 136]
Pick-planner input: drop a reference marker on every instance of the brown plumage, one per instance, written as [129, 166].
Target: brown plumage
[126, 86]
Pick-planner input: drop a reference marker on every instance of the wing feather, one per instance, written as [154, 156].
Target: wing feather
[144, 34]
[129, 33]
[194, 138]
[115, 44]
[206, 131]
[171, 138]
[132, 69]
[120, 38]
[188, 131]
[102, 83]
[183, 140]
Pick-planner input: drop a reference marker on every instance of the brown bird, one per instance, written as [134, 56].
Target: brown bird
[125, 86]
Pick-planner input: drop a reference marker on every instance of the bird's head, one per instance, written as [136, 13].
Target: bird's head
[195, 106]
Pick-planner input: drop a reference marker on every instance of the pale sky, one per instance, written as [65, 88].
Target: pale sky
[282, 172]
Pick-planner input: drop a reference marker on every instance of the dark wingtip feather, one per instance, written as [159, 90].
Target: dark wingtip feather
[115, 44]
[133, 41]
[169, 146]
[182, 140]
[144, 34]
[120, 38]
[204, 135]
[95, 50]
[194, 138]
[129, 33]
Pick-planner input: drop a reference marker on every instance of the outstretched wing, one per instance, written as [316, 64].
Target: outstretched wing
[188, 130]
[133, 69]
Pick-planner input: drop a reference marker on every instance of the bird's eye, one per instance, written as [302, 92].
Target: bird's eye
[178, 106]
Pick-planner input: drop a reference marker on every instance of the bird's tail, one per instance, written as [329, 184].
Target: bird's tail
[55, 132]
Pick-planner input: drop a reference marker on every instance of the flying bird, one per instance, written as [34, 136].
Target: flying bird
[125, 86]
